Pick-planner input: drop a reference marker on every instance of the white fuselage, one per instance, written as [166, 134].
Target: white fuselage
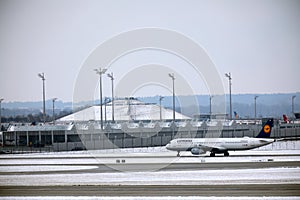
[217, 144]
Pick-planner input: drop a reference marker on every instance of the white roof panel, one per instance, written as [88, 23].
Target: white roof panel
[125, 110]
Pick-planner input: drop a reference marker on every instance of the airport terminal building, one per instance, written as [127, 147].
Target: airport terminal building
[136, 124]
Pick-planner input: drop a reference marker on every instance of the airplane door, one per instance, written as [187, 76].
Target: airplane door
[251, 143]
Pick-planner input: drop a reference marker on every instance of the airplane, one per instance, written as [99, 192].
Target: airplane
[215, 146]
[286, 119]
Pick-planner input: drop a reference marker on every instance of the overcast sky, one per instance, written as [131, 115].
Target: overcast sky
[257, 41]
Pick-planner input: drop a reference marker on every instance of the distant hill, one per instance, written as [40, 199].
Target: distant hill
[268, 105]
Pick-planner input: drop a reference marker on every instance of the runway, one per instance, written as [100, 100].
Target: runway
[150, 173]
[251, 190]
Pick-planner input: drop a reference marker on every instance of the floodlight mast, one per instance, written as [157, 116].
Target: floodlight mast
[228, 75]
[53, 113]
[255, 97]
[171, 75]
[210, 110]
[42, 76]
[100, 72]
[160, 100]
[111, 76]
[105, 102]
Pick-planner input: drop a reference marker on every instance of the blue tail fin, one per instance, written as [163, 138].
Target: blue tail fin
[266, 130]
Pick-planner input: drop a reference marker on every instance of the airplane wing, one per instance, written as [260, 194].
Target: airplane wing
[212, 148]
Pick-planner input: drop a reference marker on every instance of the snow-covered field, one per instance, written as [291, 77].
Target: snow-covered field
[135, 158]
[66, 169]
[199, 177]
[73, 162]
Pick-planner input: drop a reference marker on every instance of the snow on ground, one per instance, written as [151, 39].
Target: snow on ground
[48, 161]
[43, 168]
[152, 157]
[199, 177]
[81, 160]
[61, 165]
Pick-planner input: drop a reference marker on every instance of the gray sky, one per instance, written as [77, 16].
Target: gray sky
[257, 41]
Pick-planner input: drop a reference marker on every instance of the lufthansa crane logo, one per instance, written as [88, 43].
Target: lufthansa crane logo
[267, 129]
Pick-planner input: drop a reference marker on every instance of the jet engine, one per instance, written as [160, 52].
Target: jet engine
[197, 151]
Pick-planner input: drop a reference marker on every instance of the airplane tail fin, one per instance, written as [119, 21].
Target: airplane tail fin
[285, 119]
[266, 130]
[236, 115]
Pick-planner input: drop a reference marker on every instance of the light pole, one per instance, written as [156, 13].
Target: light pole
[228, 75]
[111, 76]
[100, 72]
[210, 112]
[1, 116]
[53, 114]
[42, 76]
[255, 97]
[173, 79]
[105, 102]
[160, 114]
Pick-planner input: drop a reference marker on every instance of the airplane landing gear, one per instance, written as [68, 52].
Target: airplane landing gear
[226, 154]
[212, 154]
[178, 153]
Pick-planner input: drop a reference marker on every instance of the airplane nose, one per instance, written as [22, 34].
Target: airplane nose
[168, 146]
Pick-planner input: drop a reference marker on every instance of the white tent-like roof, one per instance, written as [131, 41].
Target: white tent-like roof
[124, 110]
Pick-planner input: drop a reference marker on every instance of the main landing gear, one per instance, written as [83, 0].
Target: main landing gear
[178, 153]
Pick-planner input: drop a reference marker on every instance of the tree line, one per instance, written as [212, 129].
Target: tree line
[33, 118]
